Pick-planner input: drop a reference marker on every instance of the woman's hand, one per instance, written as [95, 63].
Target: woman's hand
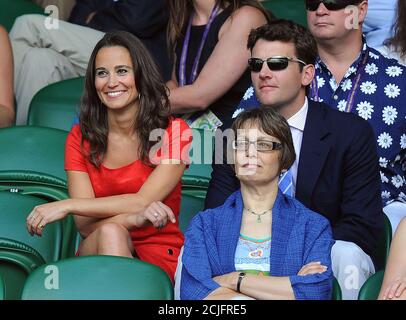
[157, 213]
[312, 268]
[395, 289]
[44, 214]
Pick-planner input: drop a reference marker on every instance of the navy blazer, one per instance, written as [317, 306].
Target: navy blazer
[338, 176]
[299, 236]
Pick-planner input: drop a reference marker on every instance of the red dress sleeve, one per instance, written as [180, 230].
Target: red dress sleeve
[176, 142]
[75, 159]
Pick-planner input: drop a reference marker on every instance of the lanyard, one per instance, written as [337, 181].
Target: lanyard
[351, 95]
[182, 65]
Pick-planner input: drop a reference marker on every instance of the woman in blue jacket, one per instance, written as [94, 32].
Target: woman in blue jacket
[261, 243]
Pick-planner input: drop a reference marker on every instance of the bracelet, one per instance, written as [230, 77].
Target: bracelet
[240, 277]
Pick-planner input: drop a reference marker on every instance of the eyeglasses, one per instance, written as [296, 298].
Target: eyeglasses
[260, 145]
[331, 5]
[275, 63]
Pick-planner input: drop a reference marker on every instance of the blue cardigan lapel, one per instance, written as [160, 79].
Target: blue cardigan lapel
[282, 222]
[231, 231]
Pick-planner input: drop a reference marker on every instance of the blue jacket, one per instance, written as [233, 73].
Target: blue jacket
[299, 236]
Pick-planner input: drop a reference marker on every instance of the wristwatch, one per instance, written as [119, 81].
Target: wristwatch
[240, 277]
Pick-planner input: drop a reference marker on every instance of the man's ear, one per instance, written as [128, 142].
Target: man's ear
[362, 11]
[307, 74]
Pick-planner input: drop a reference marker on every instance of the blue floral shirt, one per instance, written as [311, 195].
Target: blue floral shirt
[378, 99]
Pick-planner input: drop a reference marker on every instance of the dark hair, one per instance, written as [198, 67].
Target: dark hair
[287, 31]
[153, 110]
[180, 11]
[273, 124]
[399, 38]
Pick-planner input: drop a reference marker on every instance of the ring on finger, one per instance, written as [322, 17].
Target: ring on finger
[41, 226]
[156, 215]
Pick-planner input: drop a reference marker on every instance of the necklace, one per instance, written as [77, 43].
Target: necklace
[258, 214]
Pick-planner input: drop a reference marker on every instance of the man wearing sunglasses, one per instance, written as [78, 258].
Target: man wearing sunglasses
[336, 171]
[352, 77]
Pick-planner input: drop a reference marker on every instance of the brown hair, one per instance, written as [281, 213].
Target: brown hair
[287, 31]
[180, 11]
[273, 124]
[153, 110]
[399, 38]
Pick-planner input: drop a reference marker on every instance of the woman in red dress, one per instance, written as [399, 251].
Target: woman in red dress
[124, 186]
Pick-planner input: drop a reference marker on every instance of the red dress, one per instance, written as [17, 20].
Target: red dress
[160, 247]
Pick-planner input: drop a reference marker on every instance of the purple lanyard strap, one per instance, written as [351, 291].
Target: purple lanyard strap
[182, 65]
[351, 95]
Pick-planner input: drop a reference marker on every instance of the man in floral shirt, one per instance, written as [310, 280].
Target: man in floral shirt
[353, 77]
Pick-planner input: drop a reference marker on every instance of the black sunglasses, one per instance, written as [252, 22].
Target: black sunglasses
[274, 63]
[331, 5]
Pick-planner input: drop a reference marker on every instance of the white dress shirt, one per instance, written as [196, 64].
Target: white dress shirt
[297, 123]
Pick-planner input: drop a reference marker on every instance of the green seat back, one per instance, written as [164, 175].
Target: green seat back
[35, 166]
[195, 180]
[11, 9]
[337, 294]
[56, 105]
[371, 287]
[382, 252]
[294, 10]
[17, 261]
[195, 192]
[2, 288]
[190, 205]
[99, 278]
[14, 209]
[33, 149]
[201, 153]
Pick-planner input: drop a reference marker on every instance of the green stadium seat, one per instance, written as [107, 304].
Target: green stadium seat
[196, 178]
[190, 206]
[14, 210]
[11, 9]
[17, 261]
[99, 278]
[34, 149]
[294, 10]
[2, 288]
[201, 152]
[382, 252]
[34, 165]
[20, 253]
[337, 294]
[370, 289]
[56, 105]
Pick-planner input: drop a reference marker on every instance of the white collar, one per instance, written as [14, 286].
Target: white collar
[298, 120]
